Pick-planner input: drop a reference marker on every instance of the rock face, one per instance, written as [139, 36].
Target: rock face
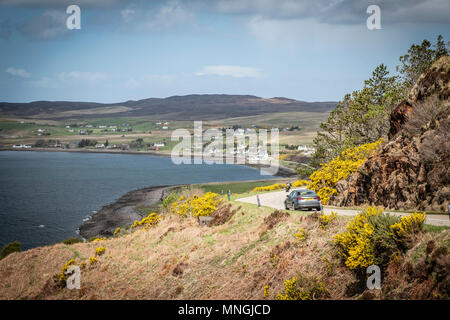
[398, 117]
[411, 170]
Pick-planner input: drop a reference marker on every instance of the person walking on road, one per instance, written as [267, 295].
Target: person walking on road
[288, 186]
[229, 194]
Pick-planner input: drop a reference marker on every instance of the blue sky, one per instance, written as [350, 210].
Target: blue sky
[129, 50]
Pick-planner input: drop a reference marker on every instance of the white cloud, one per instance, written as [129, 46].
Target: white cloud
[128, 14]
[49, 25]
[57, 3]
[150, 80]
[171, 14]
[18, 72]
[341, 11]
[231, 71]
[45, 82]
[81, 76]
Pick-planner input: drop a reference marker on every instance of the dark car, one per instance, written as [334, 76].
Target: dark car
[303, 199]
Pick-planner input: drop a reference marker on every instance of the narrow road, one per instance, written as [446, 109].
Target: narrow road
[276, 200]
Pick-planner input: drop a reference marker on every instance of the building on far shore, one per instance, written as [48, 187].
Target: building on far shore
[21, 146]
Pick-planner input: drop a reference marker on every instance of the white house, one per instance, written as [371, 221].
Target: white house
[21, 146]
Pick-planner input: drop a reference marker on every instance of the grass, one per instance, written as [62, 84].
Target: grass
[236, 187]
[214, 261]
[14, 132]
[434, 229]
[228, 261]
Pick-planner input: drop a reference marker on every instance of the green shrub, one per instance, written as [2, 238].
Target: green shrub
[72, 241]
[169, 199]
[383, 243]
[10, 248]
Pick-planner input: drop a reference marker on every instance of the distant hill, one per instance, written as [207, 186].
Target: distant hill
[189, 107]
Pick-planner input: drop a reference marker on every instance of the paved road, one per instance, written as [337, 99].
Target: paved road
[276, 200]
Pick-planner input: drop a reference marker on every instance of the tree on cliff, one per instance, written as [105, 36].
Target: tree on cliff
[362, 117]
[419, 58]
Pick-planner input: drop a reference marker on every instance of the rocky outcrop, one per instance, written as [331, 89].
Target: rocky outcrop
[412, 169]
[122, 213]
[398, 117]
[436, 81]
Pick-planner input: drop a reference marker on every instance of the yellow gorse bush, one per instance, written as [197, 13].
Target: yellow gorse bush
[326, 219]
[301, 235]
[92, 260]
[62, 276]
[117, 231]
[198, 206]
[277, 186]
[99, 251]
[354, 243]
[361, 240]
[293, 291]
[324, 180]
[150, 220]
[266, 291]
[410, 224]
[206, 204]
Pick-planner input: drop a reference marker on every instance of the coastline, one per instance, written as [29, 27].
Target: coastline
[121, 212]
[283, 171]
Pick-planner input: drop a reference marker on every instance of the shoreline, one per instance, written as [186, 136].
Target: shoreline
[121, 213]
[283, 171]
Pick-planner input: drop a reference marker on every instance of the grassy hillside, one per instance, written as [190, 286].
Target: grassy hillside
[189, 107]
[248, 256]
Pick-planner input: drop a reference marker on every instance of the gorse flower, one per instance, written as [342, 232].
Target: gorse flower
[409, 224]
[301, 235]
[266, 291]
[312, 289]
[366, 241]
[151, 220]
[324, 180]
[198, 206]
[99, 251]
[277, 186]
[325, 220]
[61, 277]
[354, 243]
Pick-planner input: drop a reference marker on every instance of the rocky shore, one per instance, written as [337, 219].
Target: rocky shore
[121, 213]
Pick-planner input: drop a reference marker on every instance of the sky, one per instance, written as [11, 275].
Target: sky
[129, 50]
